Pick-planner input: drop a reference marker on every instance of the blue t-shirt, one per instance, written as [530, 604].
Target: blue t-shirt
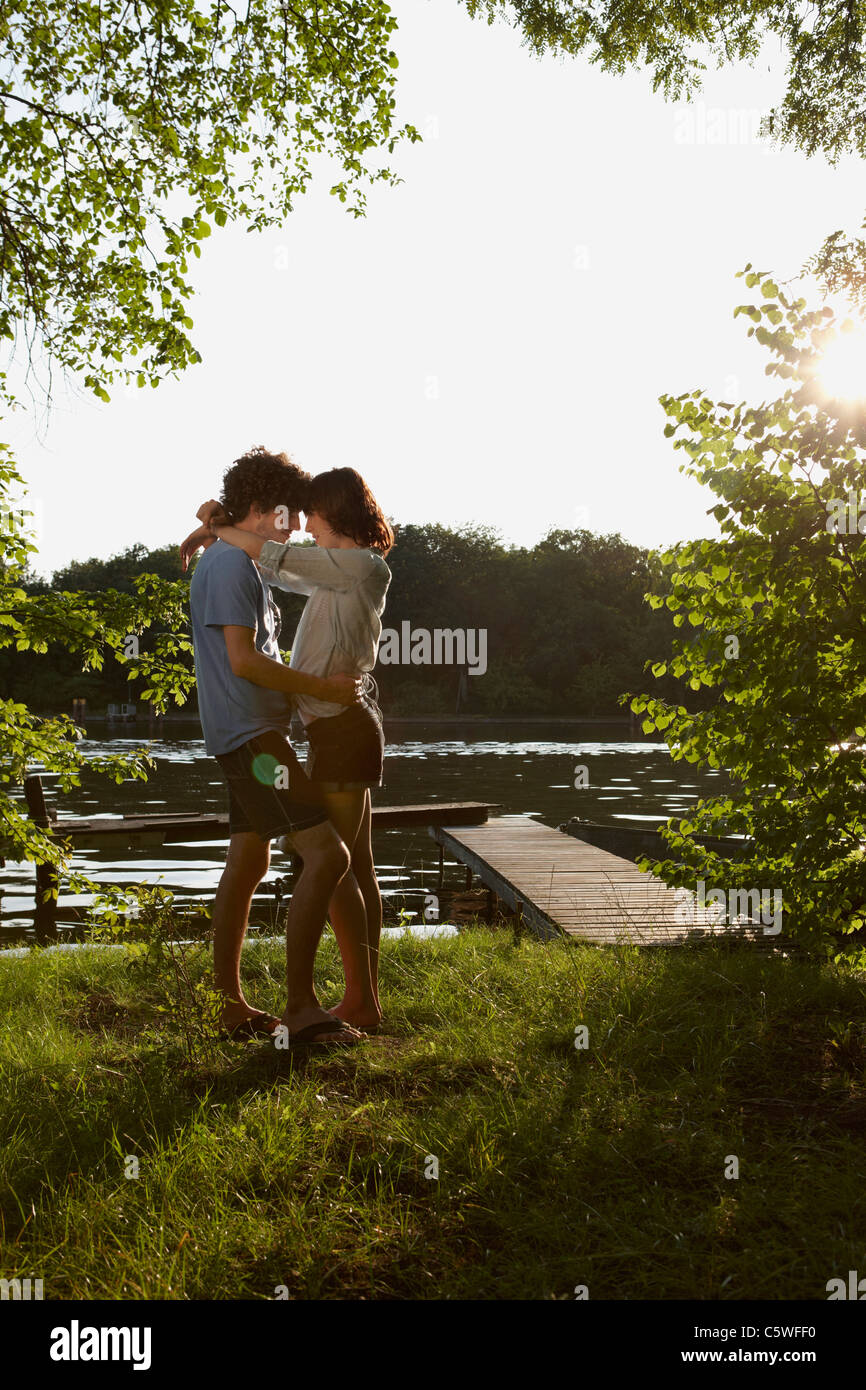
[227, 590]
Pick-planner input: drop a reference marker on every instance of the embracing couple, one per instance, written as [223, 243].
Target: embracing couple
[247, 697]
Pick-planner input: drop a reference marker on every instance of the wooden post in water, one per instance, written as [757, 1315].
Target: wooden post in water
[45, 917]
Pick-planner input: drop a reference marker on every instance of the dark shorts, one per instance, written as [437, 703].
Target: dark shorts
[269, 792]
[348, 749]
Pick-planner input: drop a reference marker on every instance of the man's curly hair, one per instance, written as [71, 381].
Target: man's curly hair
[264, 480]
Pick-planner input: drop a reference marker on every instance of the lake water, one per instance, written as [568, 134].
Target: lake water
[526, 767]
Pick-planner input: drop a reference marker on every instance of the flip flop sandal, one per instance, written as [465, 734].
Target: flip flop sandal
[311, 1036]
[367, 1032]
[257, 1026]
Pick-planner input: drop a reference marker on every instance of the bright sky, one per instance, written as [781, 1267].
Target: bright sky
[490, 343]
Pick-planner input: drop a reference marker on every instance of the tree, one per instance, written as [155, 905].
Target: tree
[773, 626]
[89, 626]
[120, 571]
[822, 111]
[566, 622]
[823, 105]
[49, 680]
[125, 131]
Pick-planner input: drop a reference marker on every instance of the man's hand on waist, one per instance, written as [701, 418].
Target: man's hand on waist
[343, 689]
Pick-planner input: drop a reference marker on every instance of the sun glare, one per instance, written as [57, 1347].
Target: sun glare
[843, 370]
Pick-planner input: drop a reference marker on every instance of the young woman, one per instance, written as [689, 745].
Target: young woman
[346, 579]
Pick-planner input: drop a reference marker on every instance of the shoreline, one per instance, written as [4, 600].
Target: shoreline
[612, 719]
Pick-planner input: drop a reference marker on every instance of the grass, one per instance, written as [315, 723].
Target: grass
[558, 1167]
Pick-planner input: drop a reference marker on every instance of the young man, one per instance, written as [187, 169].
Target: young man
[245, 704]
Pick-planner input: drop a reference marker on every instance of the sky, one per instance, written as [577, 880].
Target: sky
[489, 344]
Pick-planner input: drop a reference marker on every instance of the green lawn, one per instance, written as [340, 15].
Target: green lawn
[558, 1167]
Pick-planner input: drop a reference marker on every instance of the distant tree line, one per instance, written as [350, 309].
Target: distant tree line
[567, 627]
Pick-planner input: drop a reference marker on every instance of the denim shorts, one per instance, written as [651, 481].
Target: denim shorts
[269, 792]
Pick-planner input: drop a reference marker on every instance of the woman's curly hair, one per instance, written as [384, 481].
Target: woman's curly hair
[343, 499]
[264, 480]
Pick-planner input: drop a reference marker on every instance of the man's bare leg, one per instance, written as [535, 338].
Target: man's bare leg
[325, 861]
[348, 916]
[247, 863]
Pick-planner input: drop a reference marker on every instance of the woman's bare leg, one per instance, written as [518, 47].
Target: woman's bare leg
[364, 869]
[347, 913]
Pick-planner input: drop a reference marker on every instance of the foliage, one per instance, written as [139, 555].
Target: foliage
[169, 969]
[553, 612]
[839, 266]
[545, 656]
[822, 106]
[822, 109]
[92, 627]
[772, 626]
[126, 132]
[124, 129]
[50, 680]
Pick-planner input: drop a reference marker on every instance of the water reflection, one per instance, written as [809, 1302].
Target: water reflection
[525, 769]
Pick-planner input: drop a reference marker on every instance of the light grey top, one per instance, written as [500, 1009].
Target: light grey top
[341, 623]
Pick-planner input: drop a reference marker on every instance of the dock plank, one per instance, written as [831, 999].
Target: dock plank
[563, 885]
[137, 832]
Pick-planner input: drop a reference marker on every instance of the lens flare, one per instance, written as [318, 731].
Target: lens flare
[265, 768]
[843, 369]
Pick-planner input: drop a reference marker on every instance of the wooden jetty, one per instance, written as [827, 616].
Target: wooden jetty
[119, 833]
[556, 883]
[560, 885]
[136, 832]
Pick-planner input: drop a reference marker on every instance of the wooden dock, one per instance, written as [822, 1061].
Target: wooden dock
[558, 885]
[136, 832]
[118, 833]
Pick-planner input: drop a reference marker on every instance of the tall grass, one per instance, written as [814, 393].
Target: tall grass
[260, 1172]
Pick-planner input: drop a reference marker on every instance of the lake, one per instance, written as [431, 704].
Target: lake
[527, 767]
